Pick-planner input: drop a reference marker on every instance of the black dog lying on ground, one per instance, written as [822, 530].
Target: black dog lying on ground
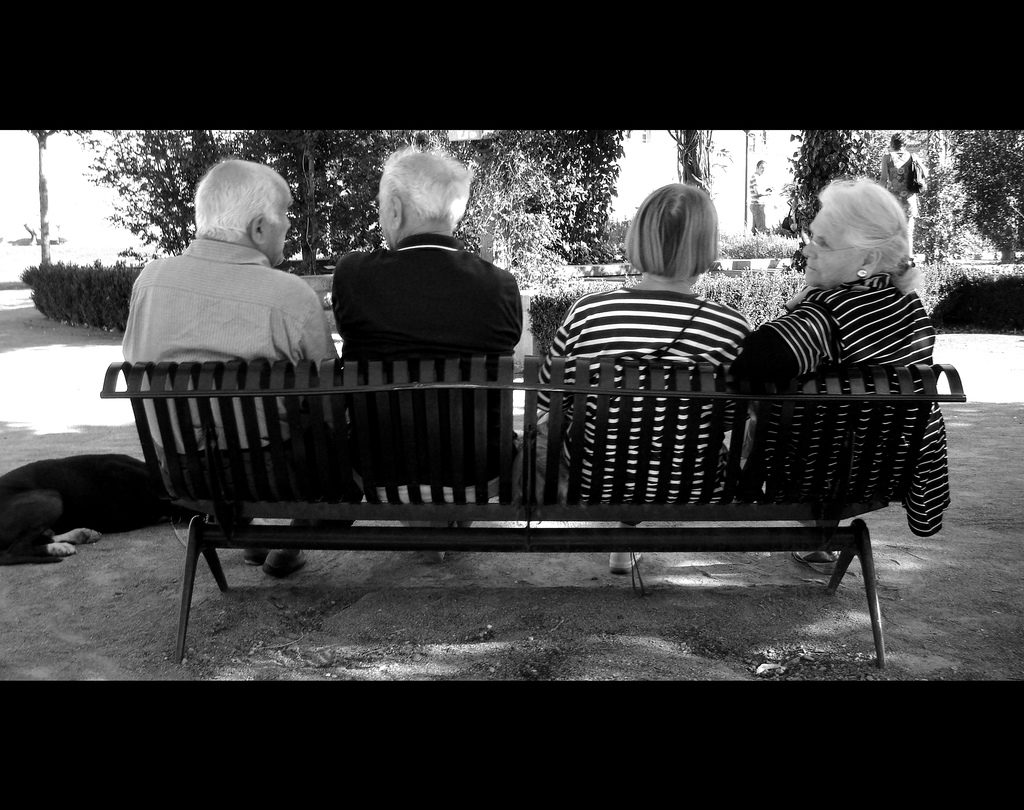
[48, 507]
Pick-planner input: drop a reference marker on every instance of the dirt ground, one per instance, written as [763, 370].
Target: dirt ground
[951, 605]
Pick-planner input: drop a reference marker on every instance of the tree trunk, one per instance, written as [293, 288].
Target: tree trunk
[310, 238]
[44, 205]
[696, 158]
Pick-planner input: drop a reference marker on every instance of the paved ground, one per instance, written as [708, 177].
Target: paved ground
[951, 605]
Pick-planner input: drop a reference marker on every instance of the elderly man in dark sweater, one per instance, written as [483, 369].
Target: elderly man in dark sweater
[424, 295]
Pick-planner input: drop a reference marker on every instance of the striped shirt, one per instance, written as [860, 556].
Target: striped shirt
[641, 322]
[866, 321]
[756, 182]
[223, 301]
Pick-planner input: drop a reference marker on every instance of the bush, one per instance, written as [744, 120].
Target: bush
[747, 246]
[990, 303]
[759, 296]
[549, 305]
[83, 295]
[943, 279]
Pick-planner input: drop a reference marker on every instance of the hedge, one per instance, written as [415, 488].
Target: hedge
[758, 295]
[987, 304]
[83, 295]
[957, 296]
[983, 297]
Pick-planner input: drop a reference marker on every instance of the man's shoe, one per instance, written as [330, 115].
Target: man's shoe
[622, 562]
[823, 557]
[255, 556]
[822, 562]
[283, 562]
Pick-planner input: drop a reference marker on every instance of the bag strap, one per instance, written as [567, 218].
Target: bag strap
[661, 351]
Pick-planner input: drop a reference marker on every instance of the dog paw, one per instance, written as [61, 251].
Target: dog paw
[60, 549]
[78, 536]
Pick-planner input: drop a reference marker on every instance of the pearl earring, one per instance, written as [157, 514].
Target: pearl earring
[862, 273]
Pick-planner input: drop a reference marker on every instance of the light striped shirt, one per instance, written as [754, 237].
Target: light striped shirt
[221, 301]
[871, 322]
[640, 322]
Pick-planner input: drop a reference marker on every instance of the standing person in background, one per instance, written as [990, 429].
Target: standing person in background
[759, 195]
[895, 170]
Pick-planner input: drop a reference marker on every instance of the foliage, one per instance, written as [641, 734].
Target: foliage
[83, 295]
[963, 295]
[760, 246]
[155, 172]
[822, 156]
[989, 165]
[584, 167]
[756, 295]
[989, 303]
[943, 229]
[334, 176]
[759, 296]
[693, 156]
[545, 195]
[940, 281]
[612, 247]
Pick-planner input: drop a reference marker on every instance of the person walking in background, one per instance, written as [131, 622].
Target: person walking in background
[223, 300]
[759, 194]
[895, 170]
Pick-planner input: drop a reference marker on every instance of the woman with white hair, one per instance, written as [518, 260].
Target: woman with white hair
[858, 306]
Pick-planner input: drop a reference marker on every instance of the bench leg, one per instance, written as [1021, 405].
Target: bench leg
[845, 558]
[867, 565]
[213, 561]
[195, 531]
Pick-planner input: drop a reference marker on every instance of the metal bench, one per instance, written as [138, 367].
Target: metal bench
[437, 440]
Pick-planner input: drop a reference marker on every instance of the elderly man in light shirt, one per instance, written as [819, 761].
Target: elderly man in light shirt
[222, 299]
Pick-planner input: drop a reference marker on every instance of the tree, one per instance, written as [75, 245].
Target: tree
[693, 156]
[825, 155]
[41, 136]
[510, 203]
[155, 173]
[546, 194]
[989, 165]
[583, 165]
[334, 176]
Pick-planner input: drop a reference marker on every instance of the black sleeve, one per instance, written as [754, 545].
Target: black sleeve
[341, 301]
[765, 357]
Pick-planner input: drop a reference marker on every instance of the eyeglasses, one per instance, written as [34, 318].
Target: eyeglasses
[808, 239]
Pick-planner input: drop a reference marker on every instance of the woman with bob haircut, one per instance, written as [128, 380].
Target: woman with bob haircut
[858, 306]
[672, 240]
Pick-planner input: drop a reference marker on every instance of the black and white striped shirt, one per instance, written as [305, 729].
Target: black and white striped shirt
[640, 323]
[868, 321]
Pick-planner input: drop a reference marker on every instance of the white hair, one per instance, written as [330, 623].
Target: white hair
[433, 186]
[871, 217]
[233, 193]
